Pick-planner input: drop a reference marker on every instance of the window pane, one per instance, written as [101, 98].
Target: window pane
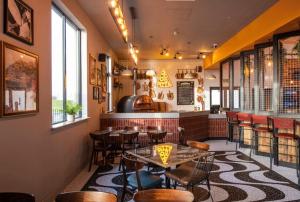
[57, 67]
[225, 85]
[249, 82]
[215, 97]
[236, 83]
[72, 70]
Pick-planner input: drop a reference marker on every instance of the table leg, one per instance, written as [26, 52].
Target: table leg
[168, 181]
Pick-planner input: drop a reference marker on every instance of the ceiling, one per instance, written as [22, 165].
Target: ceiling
[197, 23]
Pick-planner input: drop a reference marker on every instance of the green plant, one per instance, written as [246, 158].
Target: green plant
[297, 48]
[72, 108]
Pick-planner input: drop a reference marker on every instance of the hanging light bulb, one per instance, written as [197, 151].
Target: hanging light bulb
[269, 63]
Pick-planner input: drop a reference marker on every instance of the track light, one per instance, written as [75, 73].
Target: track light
[178, 56]
[164, 52]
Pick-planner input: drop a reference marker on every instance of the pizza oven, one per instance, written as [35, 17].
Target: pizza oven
[138, 103]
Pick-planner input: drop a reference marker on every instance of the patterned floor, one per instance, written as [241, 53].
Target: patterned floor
[235, 177]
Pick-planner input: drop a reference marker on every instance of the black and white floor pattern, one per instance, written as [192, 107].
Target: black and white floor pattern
[235, 177]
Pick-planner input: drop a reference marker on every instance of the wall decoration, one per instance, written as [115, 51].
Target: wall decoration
[170, 95]
[164, 80]
[145, 87]
[200, 90]
[98, 76]
[153, 94]
[95, 93]
[185, 92]
[100, 99]
[138, 86]
[161, 95]
[18, 20]
[92, 70]
[200, 82]
[20, 79]
[103, 82]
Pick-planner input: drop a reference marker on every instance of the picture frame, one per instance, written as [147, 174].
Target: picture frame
[19, 81]
[18, 21]
[95, 93]
[92, 70]
[99, 76]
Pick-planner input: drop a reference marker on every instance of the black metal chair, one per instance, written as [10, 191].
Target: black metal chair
[182, 138]
[193, 173]
[139, 180]
[16, 197]
[232, 122]
[100, 144]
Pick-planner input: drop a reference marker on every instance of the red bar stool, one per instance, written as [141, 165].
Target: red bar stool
[260, 125]
[279, 124]
[245, 121]
[231, 122]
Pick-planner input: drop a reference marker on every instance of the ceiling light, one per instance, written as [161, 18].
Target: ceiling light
[203, 56]
[164, 52]
[180, 57]
[126, 72]
[167, 54]
[117, 14]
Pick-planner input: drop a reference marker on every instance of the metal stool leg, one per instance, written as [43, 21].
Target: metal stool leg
[271, 152]
[252, 143]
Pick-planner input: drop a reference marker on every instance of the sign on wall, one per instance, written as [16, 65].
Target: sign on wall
[185, 93]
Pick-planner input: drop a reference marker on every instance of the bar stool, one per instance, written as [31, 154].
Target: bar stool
[285, 124]
[231, 122]
[260, 125]
[244, 120]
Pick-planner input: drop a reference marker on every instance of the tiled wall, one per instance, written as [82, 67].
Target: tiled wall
[217, 128]
[196, 127]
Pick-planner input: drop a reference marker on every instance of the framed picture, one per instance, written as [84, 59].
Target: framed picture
[95, 93]
[99, 76]
[20, 81]
[92, 70]
[18, 20]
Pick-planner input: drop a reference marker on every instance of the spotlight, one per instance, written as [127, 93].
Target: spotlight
[180, 57]
[164, 52]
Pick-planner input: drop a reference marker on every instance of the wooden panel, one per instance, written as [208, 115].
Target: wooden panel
[196, 127]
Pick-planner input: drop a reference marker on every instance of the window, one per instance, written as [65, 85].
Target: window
[66, 65]
[109, 85]
[289, 74]
[225, 79]
[236, 83]
[265, 77]
[248, 67]
[214, 96]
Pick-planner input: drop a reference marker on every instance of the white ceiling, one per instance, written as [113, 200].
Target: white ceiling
[199, 24]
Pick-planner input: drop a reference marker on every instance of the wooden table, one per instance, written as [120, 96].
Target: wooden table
[161, 155]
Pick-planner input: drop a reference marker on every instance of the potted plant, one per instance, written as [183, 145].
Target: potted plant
[72, 109]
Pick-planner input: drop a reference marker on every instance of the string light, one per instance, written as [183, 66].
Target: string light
[117, 14]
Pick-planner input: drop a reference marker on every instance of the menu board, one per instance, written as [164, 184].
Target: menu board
[185, 92]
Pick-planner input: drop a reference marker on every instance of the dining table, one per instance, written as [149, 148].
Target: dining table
[167, 155]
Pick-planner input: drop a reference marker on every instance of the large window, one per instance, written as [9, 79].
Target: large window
[66, 65]
[236, 82]
[248, 68]
[214, 96]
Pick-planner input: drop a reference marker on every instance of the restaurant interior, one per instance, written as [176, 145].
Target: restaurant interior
[149, 100]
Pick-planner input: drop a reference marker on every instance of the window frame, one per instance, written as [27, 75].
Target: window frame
[66, 20]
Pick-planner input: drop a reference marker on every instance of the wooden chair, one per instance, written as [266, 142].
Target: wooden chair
[193, 173]
[182, 138]
[156, 137]
[232, 121]
[198, 145]
[245, 121]
[100, 144]
[140, 180]
[163, 195]
[16, 197]
[86, 196]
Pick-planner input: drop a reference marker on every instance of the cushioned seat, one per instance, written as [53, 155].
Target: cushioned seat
[184, 174]
[148, 180]
[245, 125]
[261, 129]
[285, 135]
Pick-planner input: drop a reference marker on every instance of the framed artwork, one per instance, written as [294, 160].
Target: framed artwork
[18, 20]
[20, 81]
[99, 76]
[95, 93]
[92, 70]
[103, 71]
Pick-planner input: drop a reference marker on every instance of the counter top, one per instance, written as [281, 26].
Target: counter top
[163, 115]
[217, 116]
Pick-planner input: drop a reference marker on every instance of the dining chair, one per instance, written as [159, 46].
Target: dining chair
[198, 145]
[163, 195]
[16, 197]
[86, 196]
[140, 179]
[193, 173]
[182, 138]
[156, 137]
[100, 144]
